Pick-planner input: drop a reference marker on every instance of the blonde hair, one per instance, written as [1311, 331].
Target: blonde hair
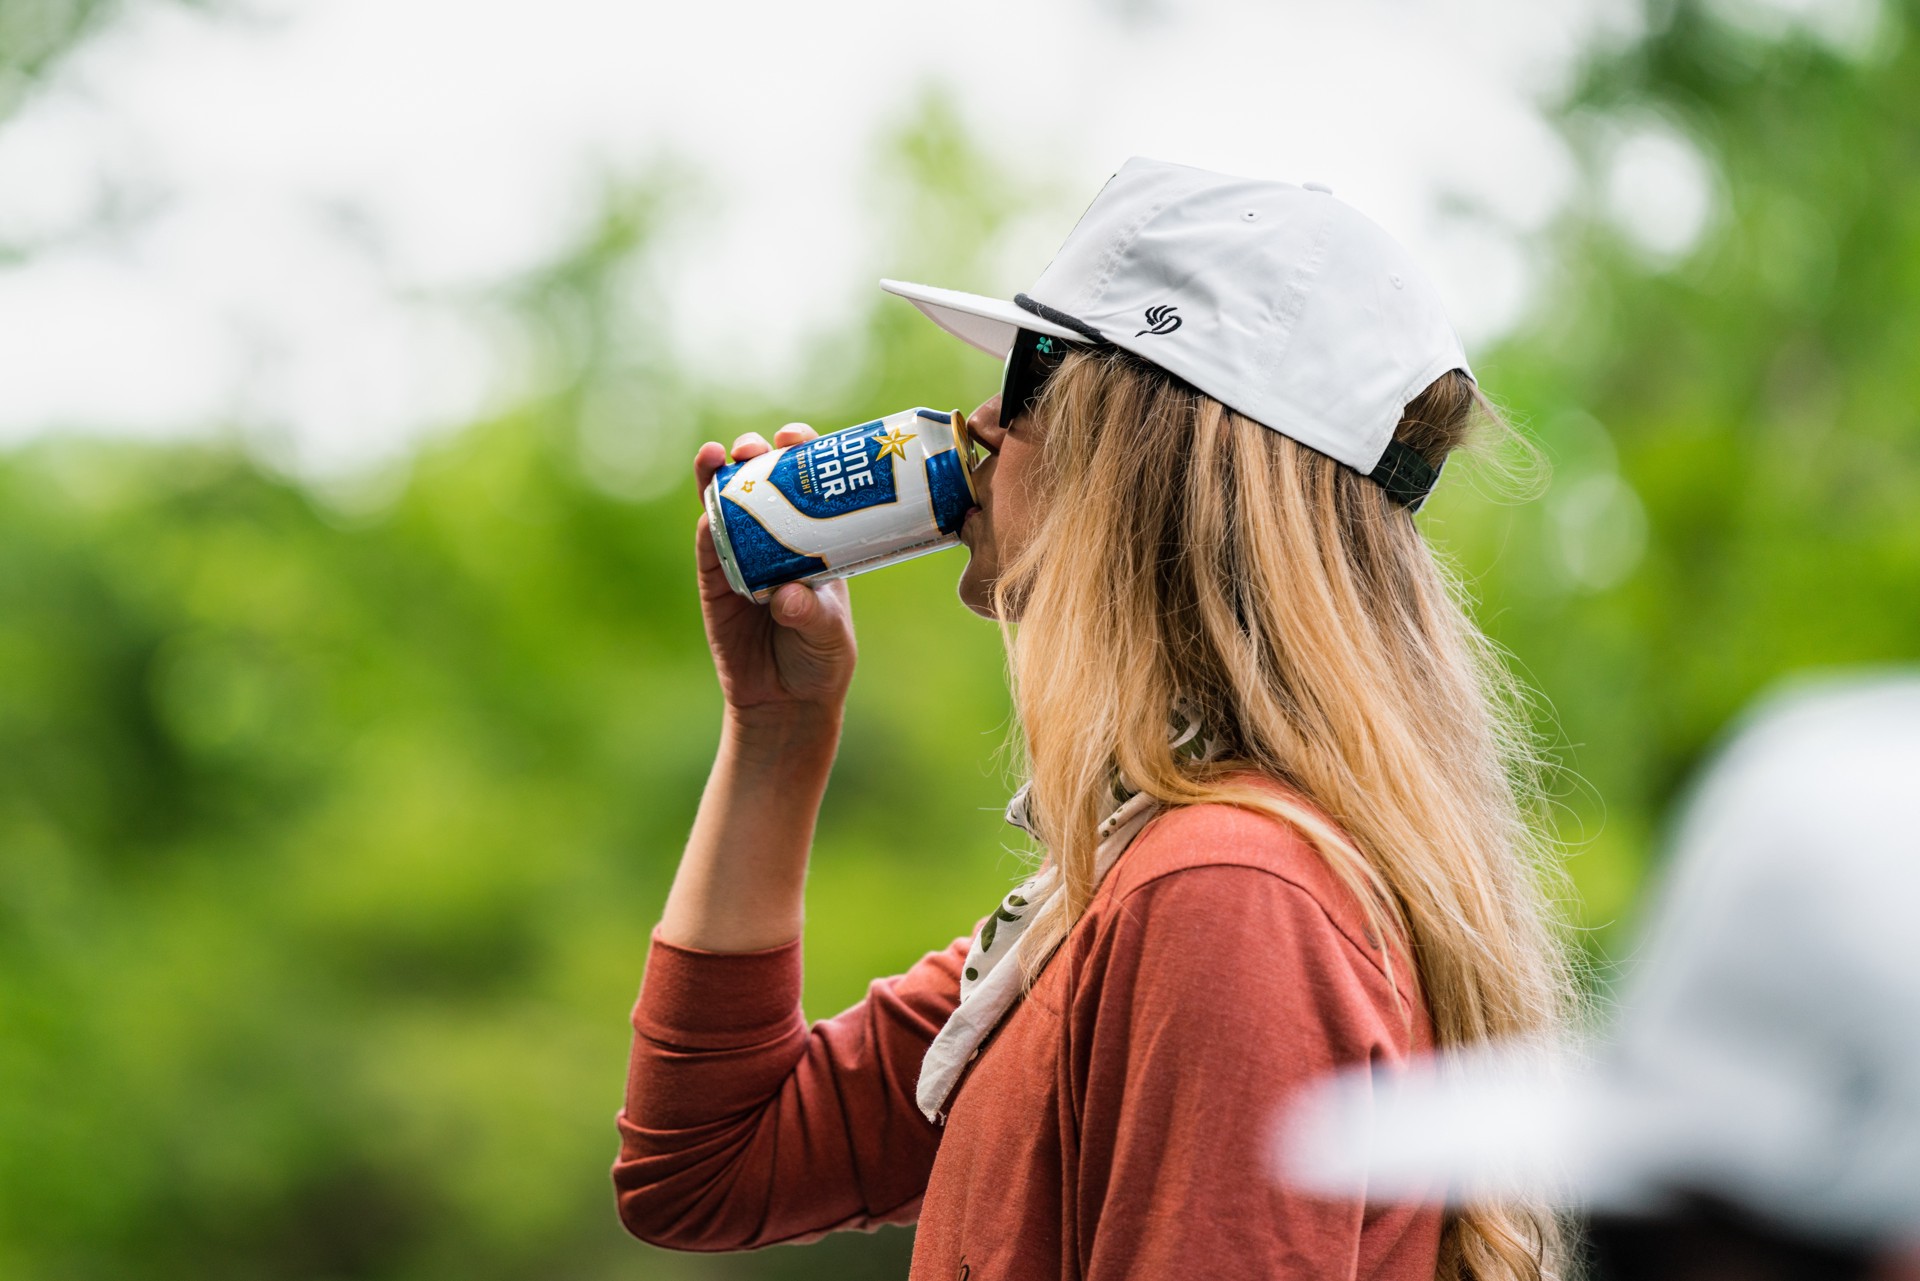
[1186, 551]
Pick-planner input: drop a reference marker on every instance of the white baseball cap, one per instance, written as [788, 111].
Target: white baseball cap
[1766, 1049]
[1277, 300]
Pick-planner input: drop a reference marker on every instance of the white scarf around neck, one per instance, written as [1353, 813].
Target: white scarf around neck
[990, 982]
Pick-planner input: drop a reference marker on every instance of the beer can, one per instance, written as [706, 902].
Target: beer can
[852, 500]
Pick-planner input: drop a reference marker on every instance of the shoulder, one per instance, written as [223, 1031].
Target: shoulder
[1227, 925]
[1228, 859]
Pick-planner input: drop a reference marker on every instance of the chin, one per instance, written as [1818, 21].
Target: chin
[982, 607]
[974, 595]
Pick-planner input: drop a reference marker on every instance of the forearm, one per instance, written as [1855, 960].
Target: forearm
[742, 880]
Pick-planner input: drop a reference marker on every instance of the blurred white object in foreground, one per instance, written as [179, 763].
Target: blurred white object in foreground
[1767, 1043]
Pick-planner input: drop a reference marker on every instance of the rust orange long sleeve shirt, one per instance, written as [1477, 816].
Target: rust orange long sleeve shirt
[1119, 1122]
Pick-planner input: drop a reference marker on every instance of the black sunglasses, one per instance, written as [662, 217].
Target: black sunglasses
[1030, 363]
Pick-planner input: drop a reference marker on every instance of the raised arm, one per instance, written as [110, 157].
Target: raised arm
[784, 668]
[742, 1126]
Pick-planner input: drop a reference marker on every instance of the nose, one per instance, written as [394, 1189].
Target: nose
[983, 424]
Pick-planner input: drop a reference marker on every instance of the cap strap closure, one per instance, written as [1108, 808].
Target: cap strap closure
[1405, 475]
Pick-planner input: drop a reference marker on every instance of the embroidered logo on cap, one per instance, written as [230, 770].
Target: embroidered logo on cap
[1161, 320]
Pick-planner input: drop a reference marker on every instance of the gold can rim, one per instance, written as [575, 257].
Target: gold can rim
[964, 444]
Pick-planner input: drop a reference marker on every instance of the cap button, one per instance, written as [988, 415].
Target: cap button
[1317, 186]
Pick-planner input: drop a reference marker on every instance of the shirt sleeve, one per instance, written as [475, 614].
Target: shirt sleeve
[743, 1126]
[1222, 990]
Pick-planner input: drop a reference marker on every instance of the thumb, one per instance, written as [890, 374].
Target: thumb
[818, 615]
[795, 606]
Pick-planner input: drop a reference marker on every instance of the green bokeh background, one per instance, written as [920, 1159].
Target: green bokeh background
[333, 822]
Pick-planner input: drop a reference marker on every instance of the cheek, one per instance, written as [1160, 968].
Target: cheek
[983, 483]
[1016, 502]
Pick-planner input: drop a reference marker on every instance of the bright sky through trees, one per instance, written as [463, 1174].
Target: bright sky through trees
[287, 216]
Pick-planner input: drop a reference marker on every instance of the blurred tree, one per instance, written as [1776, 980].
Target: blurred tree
[34, 34]
[334, 836]
[1732, 415]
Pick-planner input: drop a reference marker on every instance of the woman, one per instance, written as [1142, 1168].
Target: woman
[1276, 771]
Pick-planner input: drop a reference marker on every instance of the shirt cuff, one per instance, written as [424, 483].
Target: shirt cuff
[702, 1000]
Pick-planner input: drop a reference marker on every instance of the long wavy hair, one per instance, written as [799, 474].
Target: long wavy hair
[1188, 552]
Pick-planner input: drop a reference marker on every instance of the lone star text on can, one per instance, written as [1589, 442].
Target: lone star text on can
[844, 503]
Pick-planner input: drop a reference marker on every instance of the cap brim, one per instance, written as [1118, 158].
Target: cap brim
[1503, 1123]
[986, 323]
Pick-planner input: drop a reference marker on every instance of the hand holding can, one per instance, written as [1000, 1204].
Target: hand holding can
[857, 499]
[793, 655]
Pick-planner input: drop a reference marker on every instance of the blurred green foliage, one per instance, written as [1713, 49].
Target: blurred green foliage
[35, 34]
[1735, 434]
[331, 831]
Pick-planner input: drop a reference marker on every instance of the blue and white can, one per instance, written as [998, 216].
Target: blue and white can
[844, 503]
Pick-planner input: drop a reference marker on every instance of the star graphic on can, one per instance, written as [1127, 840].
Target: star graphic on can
[893, 442]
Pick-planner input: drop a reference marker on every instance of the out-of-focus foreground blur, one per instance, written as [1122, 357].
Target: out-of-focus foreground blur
[335, 807]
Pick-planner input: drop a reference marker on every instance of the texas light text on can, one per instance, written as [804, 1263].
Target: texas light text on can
[841, 504]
